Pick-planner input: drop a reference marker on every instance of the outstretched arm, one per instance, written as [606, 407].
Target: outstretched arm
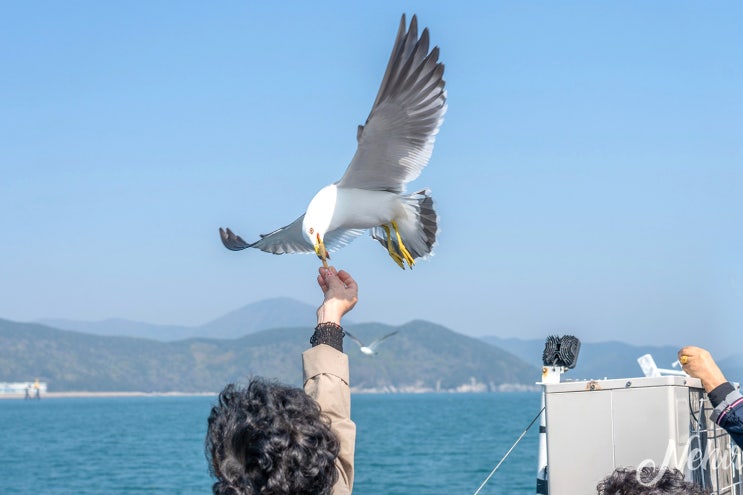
[326, 377]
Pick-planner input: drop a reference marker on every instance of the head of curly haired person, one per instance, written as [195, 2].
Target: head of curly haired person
[648, 481]
[270, 439]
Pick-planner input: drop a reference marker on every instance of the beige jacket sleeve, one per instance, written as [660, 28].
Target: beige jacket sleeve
[326, 380]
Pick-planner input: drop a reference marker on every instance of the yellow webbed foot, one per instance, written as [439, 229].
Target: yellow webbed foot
[391, 250]
[403, 250]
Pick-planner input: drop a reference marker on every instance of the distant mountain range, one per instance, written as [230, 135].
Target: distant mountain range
[268, 337]
[732, 367]
[280, 312]
[421, 357]
[598, 360]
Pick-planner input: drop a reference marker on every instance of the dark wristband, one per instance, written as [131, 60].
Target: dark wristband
[718, 394]
[329, 334]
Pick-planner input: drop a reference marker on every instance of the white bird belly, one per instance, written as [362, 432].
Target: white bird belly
[364, 209]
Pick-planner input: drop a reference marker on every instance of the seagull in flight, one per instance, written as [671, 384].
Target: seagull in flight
[371, 349]
[394, 145]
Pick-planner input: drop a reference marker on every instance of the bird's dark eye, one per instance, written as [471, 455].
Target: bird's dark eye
[312, 231]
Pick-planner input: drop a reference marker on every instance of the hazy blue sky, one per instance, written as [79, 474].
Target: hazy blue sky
[587, 175]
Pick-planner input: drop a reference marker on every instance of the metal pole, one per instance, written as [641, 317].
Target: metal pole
[550, 374]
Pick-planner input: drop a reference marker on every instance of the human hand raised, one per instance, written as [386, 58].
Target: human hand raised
[341, 294]
[698, 362]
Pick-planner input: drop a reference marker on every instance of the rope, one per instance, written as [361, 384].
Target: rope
[509, 451]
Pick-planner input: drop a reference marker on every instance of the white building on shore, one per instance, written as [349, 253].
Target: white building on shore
[31, 389]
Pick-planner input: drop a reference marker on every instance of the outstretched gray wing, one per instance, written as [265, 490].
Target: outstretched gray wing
[397, 140]
[285, 240]
[373, 346]
[358, 342]
[336, 239]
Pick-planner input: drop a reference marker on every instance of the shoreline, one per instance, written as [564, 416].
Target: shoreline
[362, 391]
[354, 391]
[83, 394]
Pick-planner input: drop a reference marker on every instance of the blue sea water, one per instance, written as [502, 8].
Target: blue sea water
[424, 444]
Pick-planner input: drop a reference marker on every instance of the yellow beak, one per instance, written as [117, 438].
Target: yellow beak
[321, 252]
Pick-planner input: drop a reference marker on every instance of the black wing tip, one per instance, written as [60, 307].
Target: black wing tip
[412, 27]
[232, 241]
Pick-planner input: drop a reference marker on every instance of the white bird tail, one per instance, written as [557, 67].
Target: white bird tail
[418, 228]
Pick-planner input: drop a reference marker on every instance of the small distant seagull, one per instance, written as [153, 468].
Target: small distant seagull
[394, 145]
[371, 349]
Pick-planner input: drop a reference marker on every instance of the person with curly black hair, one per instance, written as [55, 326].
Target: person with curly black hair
[648, 481]
[271, 439]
